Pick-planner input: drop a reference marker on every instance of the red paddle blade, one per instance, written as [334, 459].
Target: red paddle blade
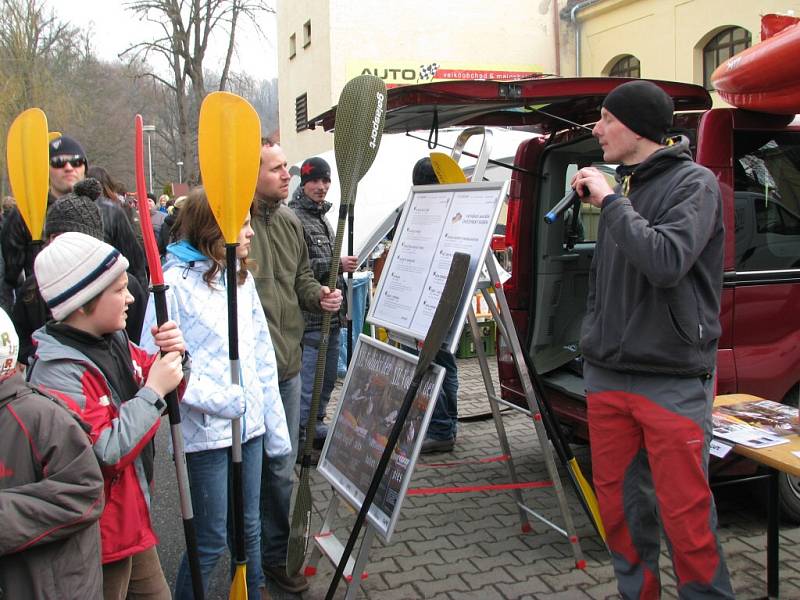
[148, 235]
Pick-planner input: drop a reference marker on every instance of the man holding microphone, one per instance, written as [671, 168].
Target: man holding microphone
[649, 343]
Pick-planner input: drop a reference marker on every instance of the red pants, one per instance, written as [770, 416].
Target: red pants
[649, 441]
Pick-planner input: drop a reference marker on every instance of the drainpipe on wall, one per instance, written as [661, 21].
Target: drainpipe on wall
[573, 15]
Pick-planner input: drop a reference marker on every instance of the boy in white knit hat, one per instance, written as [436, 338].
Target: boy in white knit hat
[119, 389]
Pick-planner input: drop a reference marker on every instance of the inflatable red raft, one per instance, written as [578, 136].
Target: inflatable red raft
[764, 77]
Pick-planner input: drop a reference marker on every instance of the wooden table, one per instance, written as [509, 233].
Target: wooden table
[777, 459]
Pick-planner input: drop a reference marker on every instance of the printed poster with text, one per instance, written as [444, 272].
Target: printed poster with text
[437, 222]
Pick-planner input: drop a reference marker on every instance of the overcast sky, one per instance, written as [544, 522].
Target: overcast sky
[115, 28]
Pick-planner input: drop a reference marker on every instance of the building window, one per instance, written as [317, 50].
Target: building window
[301, 113]
[306, 33]
[292, 45]
[720, 48]
[627, 66]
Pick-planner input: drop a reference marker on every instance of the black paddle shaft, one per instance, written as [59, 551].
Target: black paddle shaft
[350, 223]
[440, 325]
[233, 354]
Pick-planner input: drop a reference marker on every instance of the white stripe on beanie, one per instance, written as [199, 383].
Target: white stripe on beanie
[73, 269]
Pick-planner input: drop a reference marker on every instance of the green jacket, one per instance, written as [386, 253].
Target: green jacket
[284, 281]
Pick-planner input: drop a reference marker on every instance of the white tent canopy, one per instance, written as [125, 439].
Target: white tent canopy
[384, 189]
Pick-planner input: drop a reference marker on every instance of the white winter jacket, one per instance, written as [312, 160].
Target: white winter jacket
[210, 400]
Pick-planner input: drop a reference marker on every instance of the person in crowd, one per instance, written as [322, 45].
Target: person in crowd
[649, 343]
[77, 211]
[9, 204]
[165, 235]
[197, 301]
[310, 207]
[156, 217]
[51, 490]
[68, 165]
[286, 286]
[120, 224]
[110, 187]
[162, 203]
[117, 388]
[443, 427]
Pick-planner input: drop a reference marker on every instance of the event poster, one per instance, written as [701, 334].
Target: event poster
[437, 222]
[374, 389]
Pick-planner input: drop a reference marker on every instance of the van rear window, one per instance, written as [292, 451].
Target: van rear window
[767, 201]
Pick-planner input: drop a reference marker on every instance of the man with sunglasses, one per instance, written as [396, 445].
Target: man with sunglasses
[68, 165]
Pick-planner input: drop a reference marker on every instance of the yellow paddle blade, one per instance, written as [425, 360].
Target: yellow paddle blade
[238, 589]
[229, 149]
[27, 156]
[53, 135]
[446, 169]
[588, 495]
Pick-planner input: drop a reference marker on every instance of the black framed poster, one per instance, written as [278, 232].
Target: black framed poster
[373, 392]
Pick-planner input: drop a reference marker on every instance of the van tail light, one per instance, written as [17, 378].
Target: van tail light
[512, 233]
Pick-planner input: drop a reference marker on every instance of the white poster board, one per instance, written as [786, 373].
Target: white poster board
[373, 392]
[438, 221]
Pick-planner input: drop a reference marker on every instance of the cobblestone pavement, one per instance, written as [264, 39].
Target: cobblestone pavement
[470, 546]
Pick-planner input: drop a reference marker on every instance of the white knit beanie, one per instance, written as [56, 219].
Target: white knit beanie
[73, 269]
[9, 346]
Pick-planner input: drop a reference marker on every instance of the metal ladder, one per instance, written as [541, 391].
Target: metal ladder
[505, 327]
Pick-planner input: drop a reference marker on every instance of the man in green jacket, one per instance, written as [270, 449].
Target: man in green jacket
[286, 286]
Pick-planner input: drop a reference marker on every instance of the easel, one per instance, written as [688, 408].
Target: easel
[328, 545]
[502, 320]
[505, 328]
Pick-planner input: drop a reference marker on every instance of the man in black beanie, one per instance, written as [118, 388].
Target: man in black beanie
[68, 165]
[649, 344]
[76, 211]
[310, 206]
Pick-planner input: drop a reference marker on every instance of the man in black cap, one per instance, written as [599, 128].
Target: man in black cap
[310, 207]
[649, 343]
[67, 167]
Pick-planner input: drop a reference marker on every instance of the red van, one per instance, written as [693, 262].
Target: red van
[756, 158]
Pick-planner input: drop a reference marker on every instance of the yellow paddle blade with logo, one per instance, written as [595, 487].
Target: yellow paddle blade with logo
[27, 156]
[229, 149]
[447, 169]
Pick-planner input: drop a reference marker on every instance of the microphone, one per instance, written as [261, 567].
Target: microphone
[563, 204]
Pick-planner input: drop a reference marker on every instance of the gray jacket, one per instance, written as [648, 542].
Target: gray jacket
[51, 497]
[656, 277]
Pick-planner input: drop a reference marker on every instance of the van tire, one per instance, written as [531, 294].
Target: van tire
[789, 485]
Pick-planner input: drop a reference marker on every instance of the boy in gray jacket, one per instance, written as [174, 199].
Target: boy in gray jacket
[51, 490]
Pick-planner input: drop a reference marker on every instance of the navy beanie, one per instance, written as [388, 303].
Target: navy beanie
[642, 107]
[314, 168]
[423, 173]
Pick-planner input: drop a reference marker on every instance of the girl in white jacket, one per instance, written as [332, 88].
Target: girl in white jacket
[197, 301]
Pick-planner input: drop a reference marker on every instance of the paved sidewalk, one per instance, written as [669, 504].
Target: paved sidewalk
[469, 546]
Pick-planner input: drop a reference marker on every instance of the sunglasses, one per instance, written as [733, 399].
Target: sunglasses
[75, 161]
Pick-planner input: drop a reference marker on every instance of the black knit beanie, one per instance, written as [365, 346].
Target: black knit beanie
[76, 211]
[66, 145]
[314, 168]
[642, 107]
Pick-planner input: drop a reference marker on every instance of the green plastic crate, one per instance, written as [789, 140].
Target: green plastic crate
[466, 345]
